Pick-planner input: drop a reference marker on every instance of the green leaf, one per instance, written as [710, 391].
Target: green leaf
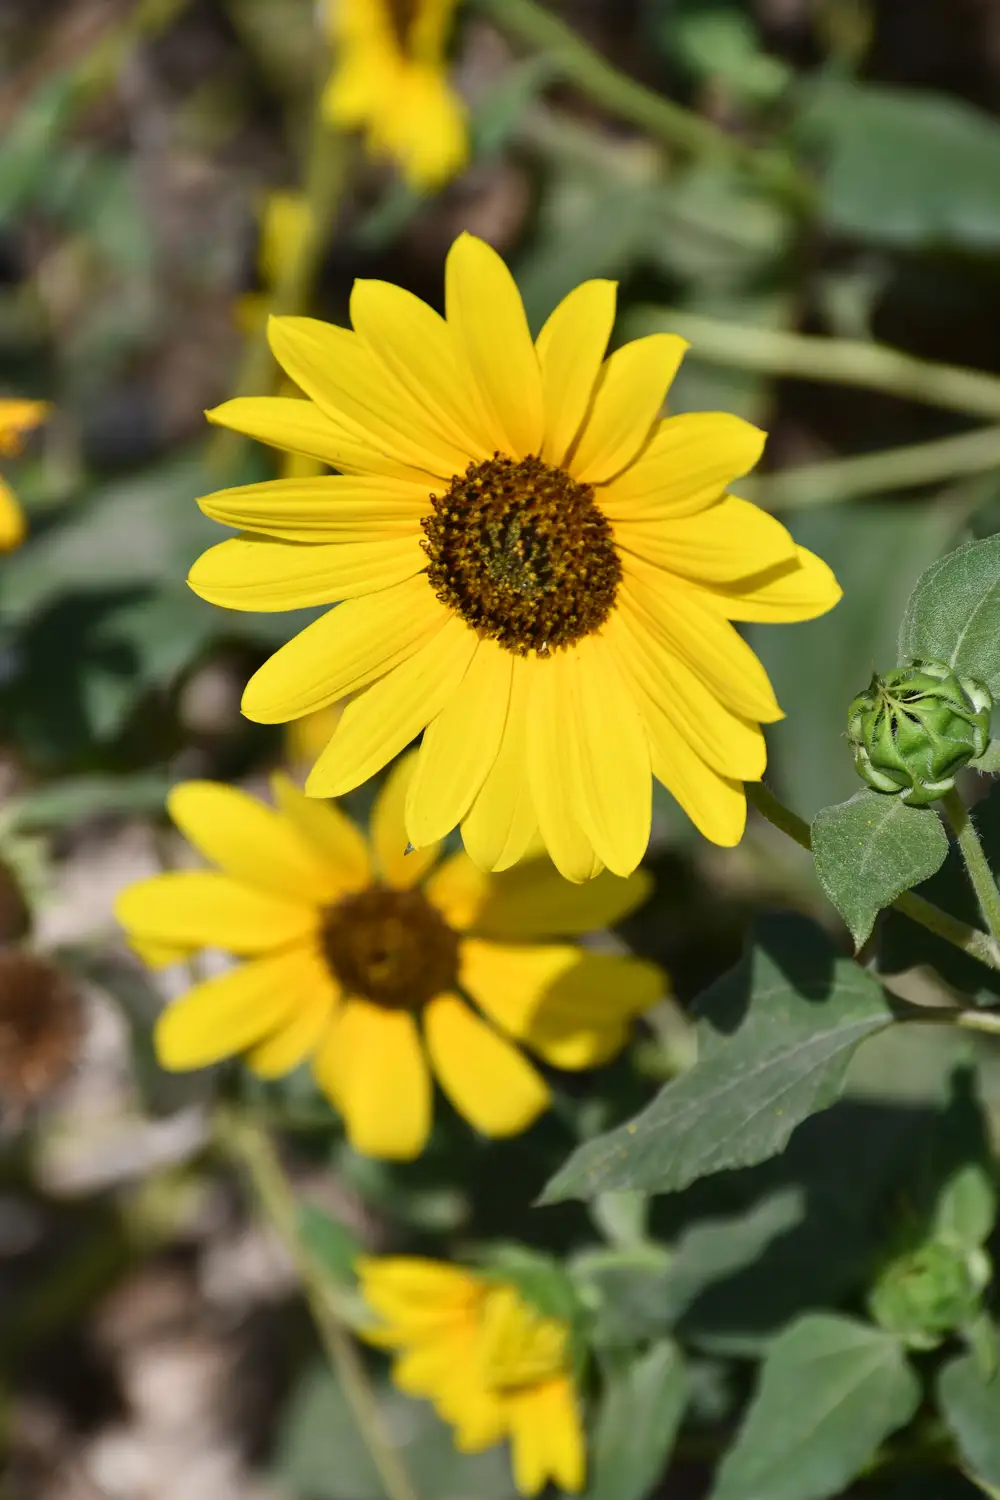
[831, 1390]
[793, 1011]
[637, 1424]
[872, 848]
[321, 1454]
[971, 1407]
[907, 168]
[332, 1243]
[954, 613]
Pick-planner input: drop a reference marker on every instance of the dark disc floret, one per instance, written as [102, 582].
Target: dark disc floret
[523, 553]
[391, 947]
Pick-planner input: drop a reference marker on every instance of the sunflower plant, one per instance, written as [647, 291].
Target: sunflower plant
[529, 755]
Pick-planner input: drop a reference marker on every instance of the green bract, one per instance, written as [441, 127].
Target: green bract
[915, 728]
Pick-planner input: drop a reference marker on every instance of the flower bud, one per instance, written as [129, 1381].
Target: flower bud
[915, 728]
[930, 1292]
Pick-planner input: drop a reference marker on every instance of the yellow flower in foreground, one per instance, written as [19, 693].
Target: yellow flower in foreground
[390, 80]
[364, 958]
[493, 1366]
[540, 573]
[17, 420]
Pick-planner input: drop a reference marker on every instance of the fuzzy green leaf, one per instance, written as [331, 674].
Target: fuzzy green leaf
[638, 1421]
[872, 848]
[971, 1407]
[831, 1391]
[954, 613]
[783, 1026]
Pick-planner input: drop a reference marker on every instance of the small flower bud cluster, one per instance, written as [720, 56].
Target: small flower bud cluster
[915, 728]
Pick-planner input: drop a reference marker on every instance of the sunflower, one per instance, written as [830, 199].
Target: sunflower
[365, 958]
[540, 573]
[390, 80]
[491, 1363]
[17, 420]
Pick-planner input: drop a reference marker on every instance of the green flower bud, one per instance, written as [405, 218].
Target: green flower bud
[930, 1292]
[913, 729]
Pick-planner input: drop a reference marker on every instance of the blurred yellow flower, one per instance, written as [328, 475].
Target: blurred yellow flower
[17, 420]
[390, 80]
[307, 737]
[493, 1366]
[364, 957]
[540, 572]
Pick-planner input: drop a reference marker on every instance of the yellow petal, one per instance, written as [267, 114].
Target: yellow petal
[159, 955]
[486, 314]
[333, 366]
[415, 1294]
[553, 767]
[13, 527]
[617, 805]
[343, 651]
[671, 690]
[679, 621]
[501, 821]
[326, 508]
[314, 996]
[783, 594]
[18, 417]
[225, 1015]
[571, 350]
[386, 717]
[328, 830]
[459, 747]
[731, 539]
[416, 346]
[630, 391]
[251, 842]
[487, 1080]
[301, 427]
[563, 1002]
[379, 1080]
[716, 804]
[397, 864]
[533, 901]
[250, 572]
[194, 909]
[459, 889]
[687, 465]
[547, 1438]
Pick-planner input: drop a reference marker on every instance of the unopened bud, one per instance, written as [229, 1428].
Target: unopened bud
[915, 728]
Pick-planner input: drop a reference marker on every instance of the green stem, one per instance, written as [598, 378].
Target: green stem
[976, 864]
[676, 127]
[959, 934]
[905, 468]
[853, 362]
[967, 1020]
[249, 1146]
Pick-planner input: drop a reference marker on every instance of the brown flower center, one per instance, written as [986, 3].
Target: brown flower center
[391, 947]
[523, 553]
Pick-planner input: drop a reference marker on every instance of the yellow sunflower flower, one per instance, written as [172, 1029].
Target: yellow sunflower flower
[493, 1366]
[540, 572]
[17, 420]
[364, 958]
[390, 80]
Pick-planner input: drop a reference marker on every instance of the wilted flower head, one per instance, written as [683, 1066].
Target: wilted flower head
[41, 1029]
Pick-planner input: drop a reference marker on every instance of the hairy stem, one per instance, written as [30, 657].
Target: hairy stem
[246, 1143]
[970, 940]
[976, 864]
[676, 127]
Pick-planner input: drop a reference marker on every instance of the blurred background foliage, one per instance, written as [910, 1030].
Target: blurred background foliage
[831, 172]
